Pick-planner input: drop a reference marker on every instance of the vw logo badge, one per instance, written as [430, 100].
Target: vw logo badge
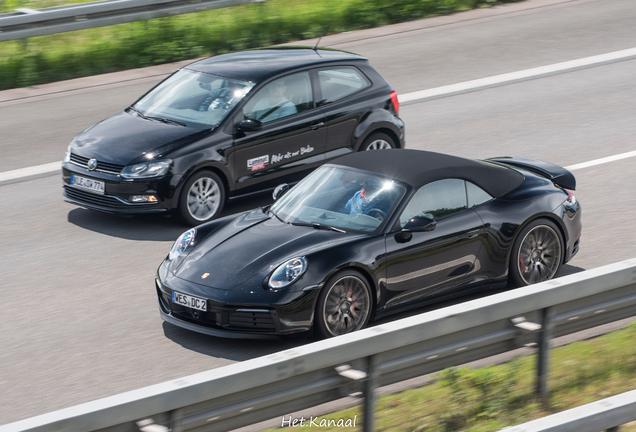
[92, 164]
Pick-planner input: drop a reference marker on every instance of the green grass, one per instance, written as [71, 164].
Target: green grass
[493, 397]
[107, 49]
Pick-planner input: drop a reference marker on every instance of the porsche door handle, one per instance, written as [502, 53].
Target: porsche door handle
[471, 234]
[316, 126]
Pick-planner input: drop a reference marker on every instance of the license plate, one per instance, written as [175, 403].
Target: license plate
[87, 184]
[189, 301]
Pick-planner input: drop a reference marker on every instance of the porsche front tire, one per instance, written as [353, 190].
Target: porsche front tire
[344, 305]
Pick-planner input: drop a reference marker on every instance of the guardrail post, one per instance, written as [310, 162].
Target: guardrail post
[175, 420]
[370, 385]
[543, 362]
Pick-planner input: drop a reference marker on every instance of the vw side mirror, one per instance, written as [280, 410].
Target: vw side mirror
[249, 125]
[280, 191]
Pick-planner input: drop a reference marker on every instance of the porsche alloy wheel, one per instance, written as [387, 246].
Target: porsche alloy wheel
[344, 305]
[202, 198]
[537, 254]
[378, 141]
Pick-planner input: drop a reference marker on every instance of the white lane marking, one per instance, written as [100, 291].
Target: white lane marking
[434, 92]
[516, 76]
[601, 161]
[30, 171]
[55, 166]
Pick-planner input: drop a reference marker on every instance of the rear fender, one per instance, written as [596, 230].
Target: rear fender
[552, 218]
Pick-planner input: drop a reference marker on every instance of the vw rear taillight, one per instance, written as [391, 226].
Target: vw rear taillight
[396, 103]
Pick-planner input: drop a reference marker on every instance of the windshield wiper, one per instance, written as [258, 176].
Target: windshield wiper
[139, 113]
[163, 120]
[277, 217]
[168, 121]
[319, 226]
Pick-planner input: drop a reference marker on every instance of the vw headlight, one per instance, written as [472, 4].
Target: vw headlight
[182, 243]
[147, 169]
[288, 272]
[67, 156]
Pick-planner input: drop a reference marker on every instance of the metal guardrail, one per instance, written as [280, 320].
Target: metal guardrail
[275, 385]
[605, 414]
[28, 22]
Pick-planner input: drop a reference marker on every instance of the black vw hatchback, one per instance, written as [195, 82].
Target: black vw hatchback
[228, 126]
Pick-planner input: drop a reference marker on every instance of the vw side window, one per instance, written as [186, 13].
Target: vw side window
[281, 98]
[338, 83]
[436, 200]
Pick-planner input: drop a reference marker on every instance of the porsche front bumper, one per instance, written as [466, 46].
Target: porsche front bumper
[240, 320]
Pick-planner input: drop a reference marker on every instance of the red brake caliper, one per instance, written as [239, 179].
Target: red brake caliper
[353, 300]
[521, 264]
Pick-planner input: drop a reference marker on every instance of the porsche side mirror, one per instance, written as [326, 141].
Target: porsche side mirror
[280, 191]
[419, 224]
[249, 125]
[415, 224]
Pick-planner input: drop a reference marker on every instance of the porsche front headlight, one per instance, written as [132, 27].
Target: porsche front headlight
[288, 272]
[146, 169]
[182, 243]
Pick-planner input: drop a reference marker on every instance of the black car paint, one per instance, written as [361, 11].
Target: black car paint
[126, 138]
[480, 258]
[559, 175]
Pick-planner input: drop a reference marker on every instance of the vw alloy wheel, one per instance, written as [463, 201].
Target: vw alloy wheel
[202, 198]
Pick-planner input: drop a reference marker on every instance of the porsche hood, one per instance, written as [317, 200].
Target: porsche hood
[249, 246]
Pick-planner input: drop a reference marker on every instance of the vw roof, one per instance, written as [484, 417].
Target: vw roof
[261, 64]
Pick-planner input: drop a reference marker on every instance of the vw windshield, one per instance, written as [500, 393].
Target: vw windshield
[195, 99]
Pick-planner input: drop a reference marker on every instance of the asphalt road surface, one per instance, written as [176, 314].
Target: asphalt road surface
[80, 318]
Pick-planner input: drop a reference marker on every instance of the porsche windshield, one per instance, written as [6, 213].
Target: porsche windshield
[194, 98]
[333, 197]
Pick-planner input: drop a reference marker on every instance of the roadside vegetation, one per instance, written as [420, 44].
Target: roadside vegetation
[494, 397]
[125, 46]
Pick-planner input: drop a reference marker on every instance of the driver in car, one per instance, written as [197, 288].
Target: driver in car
[275, 105]
[372, 200]
[221, 97]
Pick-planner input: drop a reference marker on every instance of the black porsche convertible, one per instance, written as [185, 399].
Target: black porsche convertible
[371, 234]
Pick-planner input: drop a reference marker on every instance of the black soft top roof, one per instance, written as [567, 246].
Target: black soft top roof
[418, 167]
[261, 64]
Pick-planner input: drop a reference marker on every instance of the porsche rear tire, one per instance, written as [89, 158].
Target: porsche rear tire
[537, 253]
[344, 305]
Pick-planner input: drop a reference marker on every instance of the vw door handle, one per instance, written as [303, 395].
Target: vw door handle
[316, 126]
